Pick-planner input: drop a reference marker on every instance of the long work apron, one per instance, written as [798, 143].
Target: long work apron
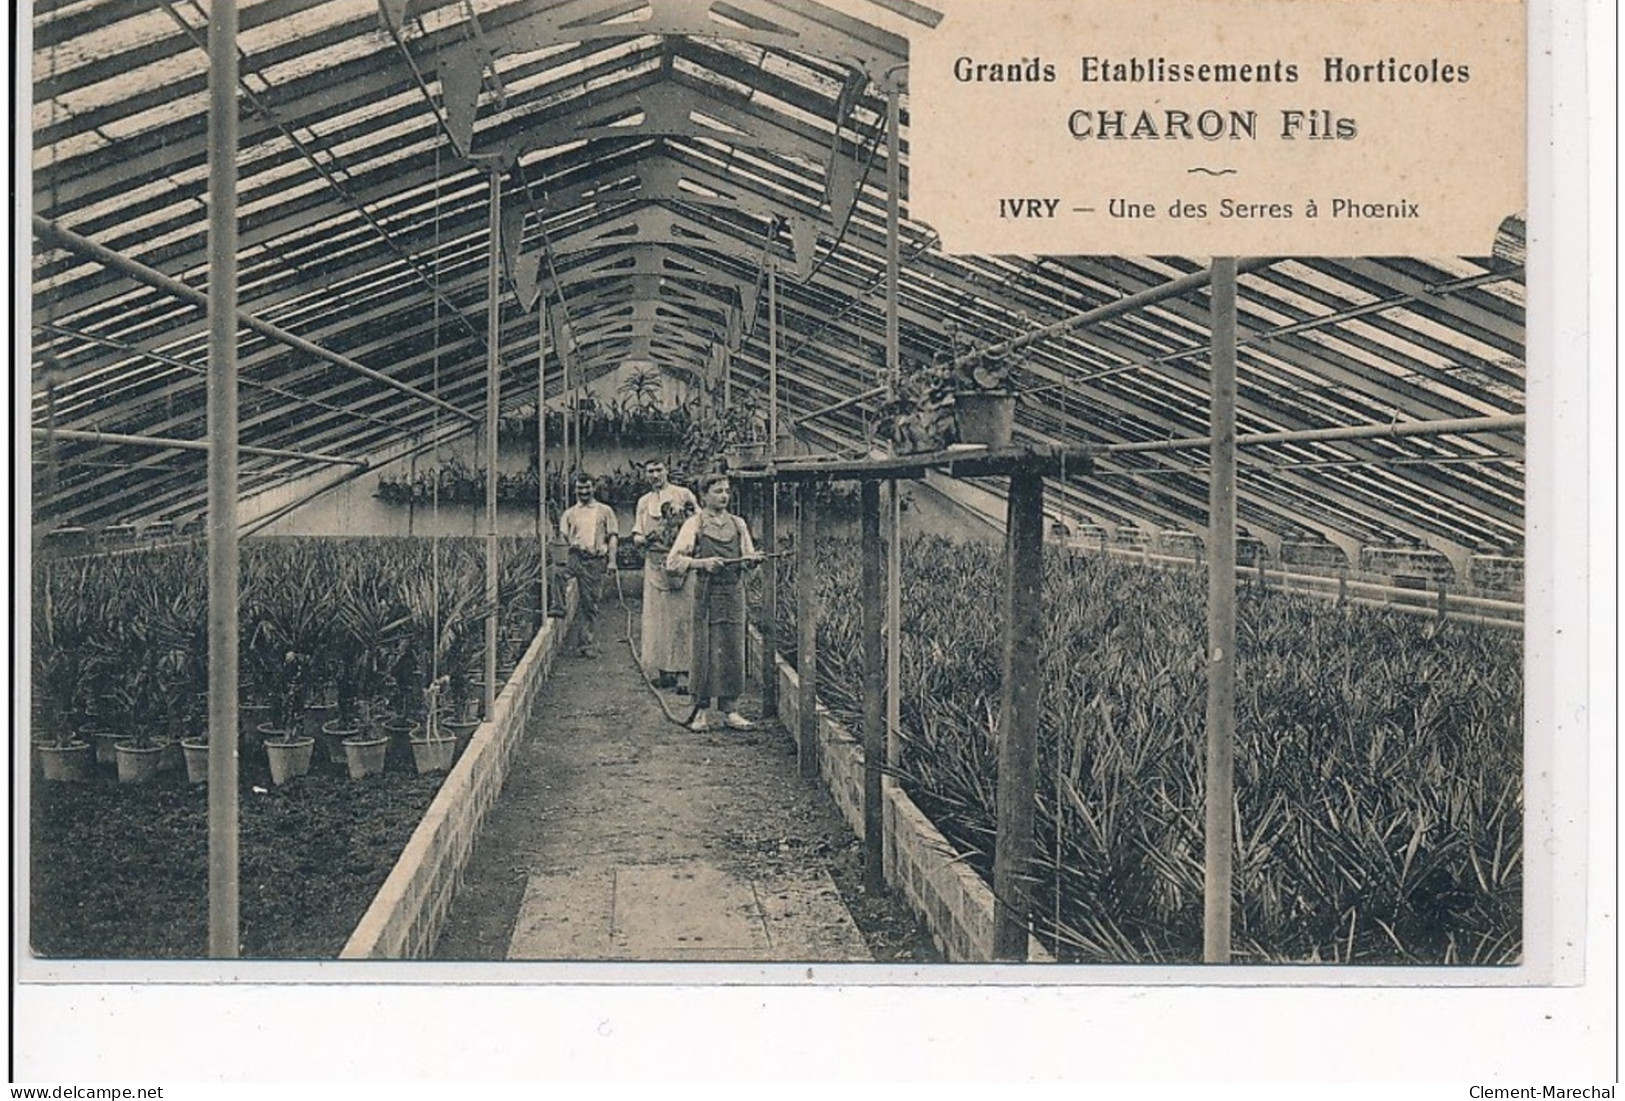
[719, 618]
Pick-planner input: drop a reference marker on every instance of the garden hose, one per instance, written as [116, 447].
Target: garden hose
[632, 639]
[637, 660]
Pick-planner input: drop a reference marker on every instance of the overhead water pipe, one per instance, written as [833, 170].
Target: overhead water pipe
[82, 436]
[1463, 426]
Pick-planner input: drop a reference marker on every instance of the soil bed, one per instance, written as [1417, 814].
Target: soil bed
[121, 871]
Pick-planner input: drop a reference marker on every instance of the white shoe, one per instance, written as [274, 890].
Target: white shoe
[736, 721]
[699, 724]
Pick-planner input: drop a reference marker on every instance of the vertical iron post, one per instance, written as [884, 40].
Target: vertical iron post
[807, 628]
[1018, 715]
[770, 603]
[894, 367]
[544, 528]
[874, 687]
[770, 507]
[223, 550]
[493, 334]
[1219, 836]
[772, 355]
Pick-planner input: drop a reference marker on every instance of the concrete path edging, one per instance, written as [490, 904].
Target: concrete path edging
[409, 910]
[953, 902]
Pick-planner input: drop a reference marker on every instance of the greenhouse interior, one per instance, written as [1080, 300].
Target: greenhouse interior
[1092, 609]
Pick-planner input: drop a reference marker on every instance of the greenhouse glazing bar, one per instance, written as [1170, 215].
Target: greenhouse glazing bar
[84, 246]
[221, 307]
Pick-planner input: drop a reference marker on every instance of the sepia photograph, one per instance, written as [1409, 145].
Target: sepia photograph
[546, 499]
[690, 491]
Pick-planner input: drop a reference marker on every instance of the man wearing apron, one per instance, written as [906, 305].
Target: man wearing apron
[717, 546]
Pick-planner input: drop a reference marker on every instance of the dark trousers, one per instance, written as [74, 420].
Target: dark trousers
[589, 572]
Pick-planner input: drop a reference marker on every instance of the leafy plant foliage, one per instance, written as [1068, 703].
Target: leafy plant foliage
[1378, 759]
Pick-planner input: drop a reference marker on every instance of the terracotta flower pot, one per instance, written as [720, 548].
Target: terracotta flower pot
[317, 715]
[137, 764]
[365, 755]
[462, 730]
[68, 763]
[196, 751]
[985, 417]
[334, 733]
[433, 754]
[289, 757]
[401, 732]
[106, 743]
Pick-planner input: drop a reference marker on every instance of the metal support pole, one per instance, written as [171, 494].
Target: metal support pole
[1219, 836]
[894, 626]
[566, 358]
[874, 700]
[493, 383]
[105, 256]
[772, 356]
[807, 627]
[770, 601]
[544, 531]
[221, 303]
[894, 366]
[1018, 716]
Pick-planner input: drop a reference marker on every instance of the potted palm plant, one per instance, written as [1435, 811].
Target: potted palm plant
[292, 629]
[454, 611]
[61, 654]
[735, 432]
[287, 747]
[139, 695]
[373, 626]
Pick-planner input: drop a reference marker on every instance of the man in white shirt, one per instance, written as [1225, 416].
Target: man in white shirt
[592, 534]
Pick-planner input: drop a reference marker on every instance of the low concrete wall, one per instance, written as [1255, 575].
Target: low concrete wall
[407, 914]
[953, 902]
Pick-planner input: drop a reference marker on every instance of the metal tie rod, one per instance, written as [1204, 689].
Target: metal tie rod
[75, 242]
[1148, 297]
[1464, 426]
[79, 435]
